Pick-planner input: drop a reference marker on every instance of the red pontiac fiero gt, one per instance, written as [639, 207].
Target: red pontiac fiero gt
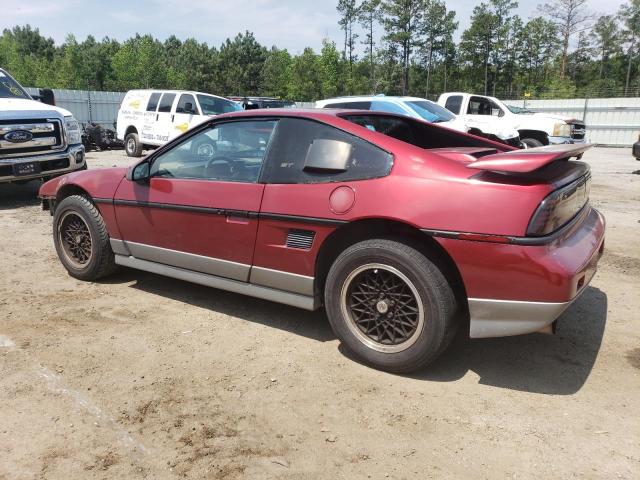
[405, 231]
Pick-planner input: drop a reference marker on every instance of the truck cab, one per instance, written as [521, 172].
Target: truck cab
[36, 140]
[487, 115]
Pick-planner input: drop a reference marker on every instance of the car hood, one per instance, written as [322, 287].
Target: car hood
[557, 118]
[22, 108]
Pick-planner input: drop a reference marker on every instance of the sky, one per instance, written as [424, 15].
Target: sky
[290, 24]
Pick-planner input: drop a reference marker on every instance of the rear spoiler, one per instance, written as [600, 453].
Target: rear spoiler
[529, 159]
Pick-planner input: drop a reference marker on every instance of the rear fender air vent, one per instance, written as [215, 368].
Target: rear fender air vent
[301, 239]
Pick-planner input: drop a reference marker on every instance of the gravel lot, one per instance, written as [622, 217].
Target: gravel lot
[146, 377]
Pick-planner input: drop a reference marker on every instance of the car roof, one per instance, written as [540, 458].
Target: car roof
[360, 98]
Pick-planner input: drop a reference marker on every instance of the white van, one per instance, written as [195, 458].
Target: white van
[154, 117]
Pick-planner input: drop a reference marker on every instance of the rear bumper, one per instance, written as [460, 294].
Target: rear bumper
[517, 289]
[48, 165]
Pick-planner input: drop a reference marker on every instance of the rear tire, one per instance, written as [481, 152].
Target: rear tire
[132, 145]
[390, 305]
[532, 142]
[81, 239]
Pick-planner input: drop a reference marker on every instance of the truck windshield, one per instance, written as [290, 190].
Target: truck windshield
[211, 105]
[9, 88]
[431, 112]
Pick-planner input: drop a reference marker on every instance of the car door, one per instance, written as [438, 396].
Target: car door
[185, 116]
[164, 118]
[482, 113]
[198, 208]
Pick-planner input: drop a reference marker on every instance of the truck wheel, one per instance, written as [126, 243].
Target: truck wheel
[532, 142]
[132, 145]
[81, 239]
[390, 305]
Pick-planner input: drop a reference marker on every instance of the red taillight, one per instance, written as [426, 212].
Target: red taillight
[559, 207]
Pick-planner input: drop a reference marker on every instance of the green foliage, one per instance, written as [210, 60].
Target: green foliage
[390, 46]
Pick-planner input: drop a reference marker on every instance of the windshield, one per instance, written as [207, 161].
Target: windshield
[211, 105]
[9, 88]
[431, 112]
[518, 110]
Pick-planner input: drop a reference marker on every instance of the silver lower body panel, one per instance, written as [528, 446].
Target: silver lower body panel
[295, 300]
[504, 318]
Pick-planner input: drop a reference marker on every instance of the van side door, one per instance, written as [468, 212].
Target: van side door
[164, 119]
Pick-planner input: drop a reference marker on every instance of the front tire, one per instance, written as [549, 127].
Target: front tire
[390, 305]
[81, 239]
[532, 142]
[132, 145]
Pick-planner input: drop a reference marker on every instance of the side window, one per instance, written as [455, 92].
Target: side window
[166, 102]
[453, 104]
[484, 106]
[334, 105]
[153, 102]
[383, 106]
[291, 150]
[496, 111]
[230, 152]
[187, 104]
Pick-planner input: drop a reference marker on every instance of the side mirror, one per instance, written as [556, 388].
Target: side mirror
[188, 108]
[328, 156]
[139, 172]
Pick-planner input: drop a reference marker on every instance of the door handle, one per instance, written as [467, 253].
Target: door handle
[172, 117]
[157, 116]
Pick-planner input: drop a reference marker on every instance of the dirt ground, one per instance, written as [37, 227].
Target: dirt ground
[142, 376]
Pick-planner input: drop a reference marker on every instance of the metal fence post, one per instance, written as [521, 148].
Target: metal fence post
[584, 112]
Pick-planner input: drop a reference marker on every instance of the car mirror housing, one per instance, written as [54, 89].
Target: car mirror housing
[139, 172]
[328, 156]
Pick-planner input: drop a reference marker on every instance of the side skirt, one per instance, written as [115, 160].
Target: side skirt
[295, 300]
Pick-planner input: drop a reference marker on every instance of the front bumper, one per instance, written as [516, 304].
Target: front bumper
[517, 289]
[46, 165]
[565, 140]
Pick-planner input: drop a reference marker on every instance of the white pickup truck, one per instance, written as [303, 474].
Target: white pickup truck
[487, 115]
[36, 140]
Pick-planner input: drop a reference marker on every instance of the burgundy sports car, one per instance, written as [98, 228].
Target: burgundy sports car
[403, 230]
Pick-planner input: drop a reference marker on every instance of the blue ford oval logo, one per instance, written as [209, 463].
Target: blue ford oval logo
[18, 136]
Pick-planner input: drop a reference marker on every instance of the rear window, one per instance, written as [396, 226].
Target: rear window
[153, 102]
[166, 102]
[431, 112]
[414, 132]
[454, 103]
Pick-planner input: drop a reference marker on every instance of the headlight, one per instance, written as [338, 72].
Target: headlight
[72, 131]
[559, 207]
[562, 130]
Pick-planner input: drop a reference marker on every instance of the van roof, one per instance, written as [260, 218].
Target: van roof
[163, 90]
